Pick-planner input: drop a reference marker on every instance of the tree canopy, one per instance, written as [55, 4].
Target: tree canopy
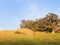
[51, 22]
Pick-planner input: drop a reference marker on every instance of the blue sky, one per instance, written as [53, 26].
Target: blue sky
[13, 11]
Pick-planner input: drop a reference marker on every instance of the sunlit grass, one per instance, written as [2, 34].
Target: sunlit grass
[8, 37]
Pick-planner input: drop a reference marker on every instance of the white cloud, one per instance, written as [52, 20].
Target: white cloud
[33, 11]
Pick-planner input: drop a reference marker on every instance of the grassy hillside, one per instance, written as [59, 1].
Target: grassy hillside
[28, 37]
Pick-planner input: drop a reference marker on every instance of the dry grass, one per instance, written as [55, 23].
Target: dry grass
[28, 37]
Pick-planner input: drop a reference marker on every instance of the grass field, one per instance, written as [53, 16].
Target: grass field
[28, 37]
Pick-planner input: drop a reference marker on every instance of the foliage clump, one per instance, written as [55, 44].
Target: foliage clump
[49, 23]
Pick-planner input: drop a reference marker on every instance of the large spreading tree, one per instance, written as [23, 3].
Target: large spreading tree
[51, 22]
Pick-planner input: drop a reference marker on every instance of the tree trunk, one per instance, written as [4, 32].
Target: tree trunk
[53, 31]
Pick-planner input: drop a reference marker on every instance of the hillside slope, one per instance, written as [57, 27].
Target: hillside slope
[28, 37]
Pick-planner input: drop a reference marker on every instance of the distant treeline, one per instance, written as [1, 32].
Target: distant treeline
[50, 23]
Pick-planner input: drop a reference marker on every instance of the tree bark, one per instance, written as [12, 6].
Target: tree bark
[53, 31]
